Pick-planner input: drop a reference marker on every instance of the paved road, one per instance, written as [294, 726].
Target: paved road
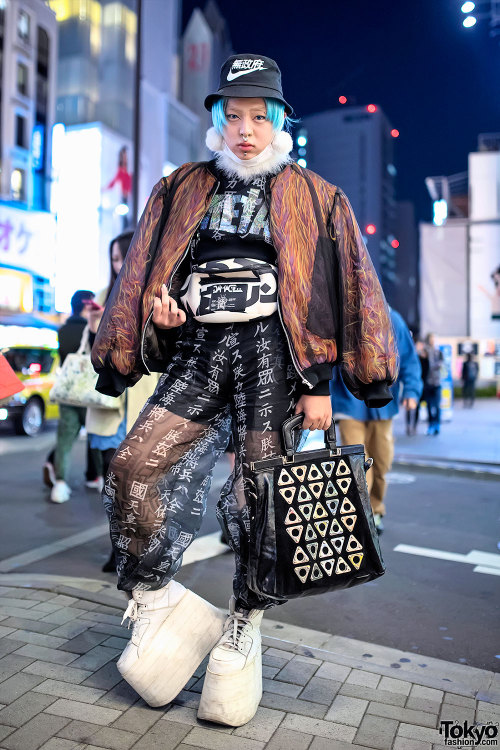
[445, 608]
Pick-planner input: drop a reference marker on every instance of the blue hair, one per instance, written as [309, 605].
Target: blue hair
[275, 113]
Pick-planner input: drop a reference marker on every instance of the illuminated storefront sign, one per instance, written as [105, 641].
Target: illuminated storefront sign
[16, 290]
[89, 208]
[27, 240]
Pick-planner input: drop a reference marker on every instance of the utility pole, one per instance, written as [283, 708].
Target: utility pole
[137, 117]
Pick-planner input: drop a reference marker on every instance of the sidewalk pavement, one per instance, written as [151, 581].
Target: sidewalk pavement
[469, 442]
[60, 689]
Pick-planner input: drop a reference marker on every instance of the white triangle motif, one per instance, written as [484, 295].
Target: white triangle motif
[300, 472]
[292, 517]
[284, 478]
[303, 572]
[288, 493]
[338, 542]
[330, 490]
[312, 549]
[342, 468]
[314, 474]
[304, 495]
[327, 467]
[306, 510]
[342, 566]
[325, 550]
[316, 572]
[316, 488]
[295, 532]
[300, 556]
[347, 506]
[353, 545]
[344, 484]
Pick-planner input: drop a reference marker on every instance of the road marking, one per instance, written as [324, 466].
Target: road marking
[398, 477]
[202, 548]
[490, 571]
[485, 562]
[47, 550]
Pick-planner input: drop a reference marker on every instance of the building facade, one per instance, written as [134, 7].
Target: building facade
[95, 108]
[460, 266]
[205, 45]
[353, 147]
[28, 61]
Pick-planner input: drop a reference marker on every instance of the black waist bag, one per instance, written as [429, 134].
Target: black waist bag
[311, 527]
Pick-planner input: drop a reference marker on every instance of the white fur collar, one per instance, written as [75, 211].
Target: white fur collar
[270, 161]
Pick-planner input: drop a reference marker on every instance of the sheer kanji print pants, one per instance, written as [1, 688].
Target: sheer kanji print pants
[224, 378]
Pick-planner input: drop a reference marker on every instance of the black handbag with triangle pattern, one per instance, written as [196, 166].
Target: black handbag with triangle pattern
[311, 523]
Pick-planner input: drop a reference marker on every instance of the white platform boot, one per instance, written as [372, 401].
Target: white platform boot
[174, 630]
[233, 680]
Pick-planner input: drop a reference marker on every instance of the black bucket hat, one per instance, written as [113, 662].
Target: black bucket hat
[248, 76]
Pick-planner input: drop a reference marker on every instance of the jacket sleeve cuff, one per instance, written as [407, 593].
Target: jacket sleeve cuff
[376, 394]
[319, 376]
[111, 382]
[320, 389]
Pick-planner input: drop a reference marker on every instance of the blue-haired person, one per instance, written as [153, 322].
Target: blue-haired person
[247, 280]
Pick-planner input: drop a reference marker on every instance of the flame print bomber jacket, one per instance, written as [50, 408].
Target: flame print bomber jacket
[331, 303]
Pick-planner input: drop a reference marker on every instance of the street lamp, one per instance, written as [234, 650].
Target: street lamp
[493, 14]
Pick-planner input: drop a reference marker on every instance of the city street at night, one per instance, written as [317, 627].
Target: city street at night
[249, 360]
[426, 604]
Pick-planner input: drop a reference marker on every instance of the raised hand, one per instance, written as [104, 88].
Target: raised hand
[166, 313]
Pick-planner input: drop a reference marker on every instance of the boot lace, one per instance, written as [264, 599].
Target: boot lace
[234, 630]
[133, 613]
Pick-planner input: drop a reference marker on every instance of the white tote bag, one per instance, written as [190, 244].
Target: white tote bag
[76, 380]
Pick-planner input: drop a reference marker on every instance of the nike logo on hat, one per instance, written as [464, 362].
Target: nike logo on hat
[249, 66]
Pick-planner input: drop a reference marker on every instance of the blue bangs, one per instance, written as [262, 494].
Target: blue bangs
[275, 113]
[218, 115]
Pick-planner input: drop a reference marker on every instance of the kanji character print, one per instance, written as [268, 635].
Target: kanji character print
[223, 379]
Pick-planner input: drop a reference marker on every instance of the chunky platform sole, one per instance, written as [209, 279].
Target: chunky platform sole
[232, 699]
[178, 648]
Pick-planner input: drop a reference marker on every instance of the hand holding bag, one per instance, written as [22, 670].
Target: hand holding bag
[311, 527]
[76, 380]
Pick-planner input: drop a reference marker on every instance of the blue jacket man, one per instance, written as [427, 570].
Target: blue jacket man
[360, 424]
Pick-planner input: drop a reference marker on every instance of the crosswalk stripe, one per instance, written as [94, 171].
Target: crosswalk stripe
[484, 562]
[203, 548]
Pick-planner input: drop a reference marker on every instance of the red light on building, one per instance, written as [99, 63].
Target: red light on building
[371, 108]
[343, 99]
[395, 133]
[395, 244]
[371, 229]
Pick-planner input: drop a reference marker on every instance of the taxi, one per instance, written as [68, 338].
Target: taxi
[36, 367]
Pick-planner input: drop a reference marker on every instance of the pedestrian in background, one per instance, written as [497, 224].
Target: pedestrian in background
[361, 424]
[470, 371]
[432, 384]
[107, 428]
[424, 365]
[71, 418]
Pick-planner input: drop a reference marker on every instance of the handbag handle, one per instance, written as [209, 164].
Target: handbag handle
[292, 423]
[84, 347]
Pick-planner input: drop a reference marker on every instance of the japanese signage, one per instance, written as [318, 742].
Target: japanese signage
[27, 240]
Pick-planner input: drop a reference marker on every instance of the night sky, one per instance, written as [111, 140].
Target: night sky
[437, 82]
